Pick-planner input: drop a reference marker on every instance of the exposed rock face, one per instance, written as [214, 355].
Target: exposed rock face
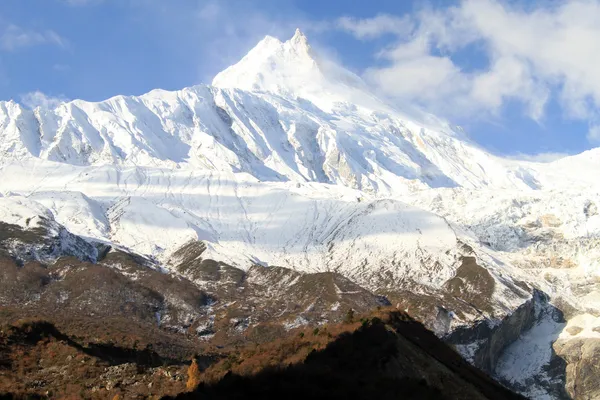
[583, 366]
[208, 299]
[279, 298]
[590, 209]
[44, 241]
[483, 344]
[472, 284]
[530, 365]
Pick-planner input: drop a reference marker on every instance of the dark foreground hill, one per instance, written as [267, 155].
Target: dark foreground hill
[393, 357]
[387, 356]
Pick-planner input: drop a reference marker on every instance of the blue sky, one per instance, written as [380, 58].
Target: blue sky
[519, 76]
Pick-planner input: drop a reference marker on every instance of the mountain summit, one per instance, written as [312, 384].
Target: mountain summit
[294, 69]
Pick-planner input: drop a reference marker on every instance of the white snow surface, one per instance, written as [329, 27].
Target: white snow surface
[308, 227]
[23, 212]
[288, 159]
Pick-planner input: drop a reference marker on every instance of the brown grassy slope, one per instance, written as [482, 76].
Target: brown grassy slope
[390, 356]
[386, 356]
[39, 361]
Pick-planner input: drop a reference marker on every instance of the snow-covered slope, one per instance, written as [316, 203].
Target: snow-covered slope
[578, 173]
[309, 227]
[44, 240]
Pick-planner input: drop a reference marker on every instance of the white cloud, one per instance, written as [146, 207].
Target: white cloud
[415, 74]
[14, 37]
[377, 26]
[594, 134]
[530, 55]
[506, 78]
[38, 99]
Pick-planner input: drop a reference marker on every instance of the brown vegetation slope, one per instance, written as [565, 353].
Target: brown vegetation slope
[386, 357]
[39, 361]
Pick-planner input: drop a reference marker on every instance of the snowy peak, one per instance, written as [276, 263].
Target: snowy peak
[294, 69]
[272, 66]
[300, 42]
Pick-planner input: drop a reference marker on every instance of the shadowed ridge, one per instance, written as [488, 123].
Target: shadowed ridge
[392, 357]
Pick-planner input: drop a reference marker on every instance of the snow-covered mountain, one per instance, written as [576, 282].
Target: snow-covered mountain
[280, 114]
[288, 159]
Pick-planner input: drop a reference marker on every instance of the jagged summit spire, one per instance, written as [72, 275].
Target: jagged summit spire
[300, 41]
[294, 69]
[272, 65]
[299, 37]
